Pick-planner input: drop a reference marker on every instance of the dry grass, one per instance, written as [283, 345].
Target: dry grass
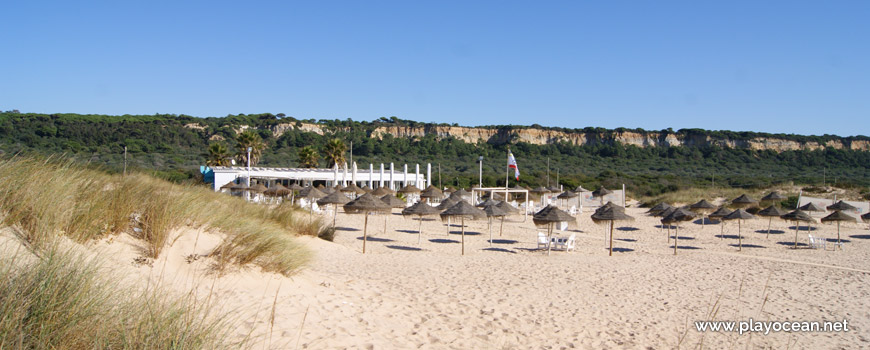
[692, 195]
[46, 198]
[59, 301]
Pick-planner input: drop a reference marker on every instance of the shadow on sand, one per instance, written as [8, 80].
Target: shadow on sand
[773, 232]
[729, 236]
[860, 236]
[504, 241]
[467, 233]
[339, 228]
[625, 239]
[620, 250]
[791, 244]
[682, 238]
[375, 239]
[409, 231]
[686, 247]
[502, 250]
[401, 247]
[441, 240]
[803, 228]
[748, 246]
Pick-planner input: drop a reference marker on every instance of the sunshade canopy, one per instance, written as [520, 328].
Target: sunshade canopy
[334, 198]
[567, 194]
[381, 191]
[702, 205]
[393, 201]
[611, 214]
[721, 212]
[738, 214]
[658, 208]
[409, 189]
[366, 203]
[551, 214]
[743, 200]
[463, 208]
[797, 215]
[420, 208]
[311, 193]
[601, 192]
[839, 216]
[773, 196]
[772, 211]
[811, 207]
[841, 205]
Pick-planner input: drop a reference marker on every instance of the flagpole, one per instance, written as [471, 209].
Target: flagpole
[507, 169]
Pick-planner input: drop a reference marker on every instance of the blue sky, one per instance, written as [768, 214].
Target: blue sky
[770, 66]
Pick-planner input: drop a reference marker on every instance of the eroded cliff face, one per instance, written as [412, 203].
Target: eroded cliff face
[650, 139]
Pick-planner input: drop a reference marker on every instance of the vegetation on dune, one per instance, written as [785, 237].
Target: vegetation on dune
[164, 146]
[59, 300]
[49, 198]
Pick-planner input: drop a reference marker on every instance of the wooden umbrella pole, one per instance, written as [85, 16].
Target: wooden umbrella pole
[770, 221]
[490, 231]
[669, 232]
[722, 230]
[611, 237]
[334, 212]
[420, 231]
[501, 228]
[448, 226]
[838, 235]
[365, 232]
[463, 235]
[796, 227]
[385, 221]
[549, 239]
[739, 237]
[676, 237]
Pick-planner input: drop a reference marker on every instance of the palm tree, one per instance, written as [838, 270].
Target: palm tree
[246, 139]
[335, 150]
[307, 157]
[218, 155]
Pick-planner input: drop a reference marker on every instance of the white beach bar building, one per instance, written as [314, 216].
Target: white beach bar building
[330, 177]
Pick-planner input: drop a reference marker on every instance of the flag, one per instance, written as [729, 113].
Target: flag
[512, 163]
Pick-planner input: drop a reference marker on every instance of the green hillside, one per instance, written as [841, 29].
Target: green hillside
[161, 144]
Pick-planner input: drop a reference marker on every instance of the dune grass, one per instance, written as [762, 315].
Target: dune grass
[46, 198]
[58, 300]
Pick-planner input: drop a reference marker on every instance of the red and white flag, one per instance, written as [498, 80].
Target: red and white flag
[512, 163]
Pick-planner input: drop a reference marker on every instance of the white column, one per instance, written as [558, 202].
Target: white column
[392, 171]
[382, 175]
[417, 176]
[335, 175]
[353, 175]
[344, 179]
[429, 175]
[371, 176]
[405, 179]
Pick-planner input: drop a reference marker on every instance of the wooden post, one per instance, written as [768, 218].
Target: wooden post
[838, 235]
[549, 237]
[334, 212]
[739, 237]
[768, 226]
[501, 228]
[676, 237]
[463, 235]
[420, 230]
[796, 227]
[490, 231]
[611, 237]
[365, 232]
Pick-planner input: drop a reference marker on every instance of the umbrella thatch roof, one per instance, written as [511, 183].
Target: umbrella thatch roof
[463, 208]
[461, 192]
[841, 205]
[567, 194]
[326, 190]
[294, 187]
[554, 189]
[338, 187]
[797, 215]
[666, 212]
[601, 192]
[367, 189]
[393, 201]
[240, 187]
[381, 191]
[311, 193]
[551, 214]
[450, 190]
[839, 216]
[679, 214]
[743, 200]
[228, 185]
[865, 217]
[334, 198]
[610, 214]
[772, 211]
[409, 189]
[738, 214]
[353, 188]
[420, 209]
[579, 189]
[540, 189]
[486, 203]
[811, 207]
[610, 206]
[494, 195]
[494, 210]
[507, 207]
[447, 203]
[277, 190]
[702, 205]
[773, 196]
[431, 192]
[658, 208]
[721, 212]
[366, 203]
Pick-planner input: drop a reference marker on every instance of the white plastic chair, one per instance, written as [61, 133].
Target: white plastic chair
[817, 242]
[566, 244]
[543, 242]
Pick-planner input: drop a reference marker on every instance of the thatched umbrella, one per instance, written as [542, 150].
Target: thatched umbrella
[409, 189]
[431, 192]
[461, 193]
[601, 192]
[353, 188]
[492, 209]
[771, 212]
[507, 207]
[338, 187]
[239, 188]
[450, 189]
[551, 215]
[312, 194]
[554, 189]
[662, 214]
[293, 189]
[743, 201]
[658, 208]
[839, 216]
[367, 189]
[719, 214]
[675, 216]
[702, 208]
[393, 202]
[463, 209]
[366, 204]
[866, 217]
[611, 214]
[486, 203]
[326, 190]
[258, 188]
[446, 204]
[277, 190]
[841, 205]
[773, 197]
[796, 216]
[381, 191]
[567, 195]
[810, 207]
[739, 215]
[228, 186]
[335, 198]
[420, 209]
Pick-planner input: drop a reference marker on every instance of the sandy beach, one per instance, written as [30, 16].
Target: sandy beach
[509, 295]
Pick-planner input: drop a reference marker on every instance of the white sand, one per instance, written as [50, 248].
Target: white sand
[512, 296]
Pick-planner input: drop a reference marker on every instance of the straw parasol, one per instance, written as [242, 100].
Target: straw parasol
[450, 189]
[739, 215]
[743, 201]
[258, 188]
[796, 216]
[554, 189]
[239, 187]
[701, 208]
[773, 197]
[549, 216]
[567, 195]
[866, 217]
[367, 189]
[486, 203]
[338, 187]
[420, 209]
[354, 189]
[461, 193]
[293, 189]
[431, 192]
[393, 202]
[381, 191]
[540, 190]
[720, 213]
[771, 212]
[491, 210]
[601, 192]
[658, 208]
[409, 189]
[839, 216]
[277, 190]
[311, 194]
[812, 207]
[841, 205]
[507, 207]
[228, 186]
[676, 215]
[326, 190]
[366, 204]
[463, 209]
[611, 214]
[335, 198]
